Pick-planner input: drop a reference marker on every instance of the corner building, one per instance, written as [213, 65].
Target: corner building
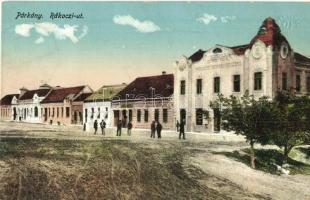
[264, 66]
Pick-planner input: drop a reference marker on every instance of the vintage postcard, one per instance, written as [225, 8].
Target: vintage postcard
[155, 100]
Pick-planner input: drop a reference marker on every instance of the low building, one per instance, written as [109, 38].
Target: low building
[8, 110]
[65, 105]
[263, 67]
[28, 104]
[98, 105]
[144, 100]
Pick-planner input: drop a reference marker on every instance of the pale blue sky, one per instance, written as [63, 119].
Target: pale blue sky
[113, 53]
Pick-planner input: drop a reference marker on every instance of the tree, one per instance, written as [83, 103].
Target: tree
[249, 117]
[294, 123]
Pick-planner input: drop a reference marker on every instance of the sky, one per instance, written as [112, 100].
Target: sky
[115, 42]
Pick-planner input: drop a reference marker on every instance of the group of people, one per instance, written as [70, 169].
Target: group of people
[156, 127]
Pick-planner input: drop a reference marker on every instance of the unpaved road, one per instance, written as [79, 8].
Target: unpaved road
[50, 162]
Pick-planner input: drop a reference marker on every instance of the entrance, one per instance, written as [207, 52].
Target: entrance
[156, 116]
[183, 116]
[124, 118]
[217, 120]
[116, 117]
[14, 113]
[45, 114]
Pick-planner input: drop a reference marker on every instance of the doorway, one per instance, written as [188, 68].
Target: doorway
[217, 120]
[183, 116]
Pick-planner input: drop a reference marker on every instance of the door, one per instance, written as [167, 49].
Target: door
[183, 115]
[217, 120]
[116, 117]
[156, 117]
[45, 114]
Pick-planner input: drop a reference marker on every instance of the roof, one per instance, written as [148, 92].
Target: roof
[142, 86]
[82, 97]
[197, 55]
[270, 33]
[301, 59]
[59, 94]
[7, 99]
[29, 93]
[106, 92]
[239, 50]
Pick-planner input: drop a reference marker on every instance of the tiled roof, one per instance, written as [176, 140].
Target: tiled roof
[142, 86]
[270, 34]
[301, 59]
[29, 94]
[59, 94]
[82, 97]
[106, 92]
[7, 99]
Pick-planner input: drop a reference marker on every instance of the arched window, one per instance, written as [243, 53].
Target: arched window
[36, 112]
[217, 50]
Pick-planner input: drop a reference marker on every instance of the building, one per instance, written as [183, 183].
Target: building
[144, 100]
[28, 104]
[8, 112]
[98, 105]
[65, 105]
[264, 66]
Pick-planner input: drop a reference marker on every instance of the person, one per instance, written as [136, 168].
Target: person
[119, 128]
[153, 129]
[158, 129]
[95, 126]
[102, 125]
[178, 125]
[182, 129]
[129, 127]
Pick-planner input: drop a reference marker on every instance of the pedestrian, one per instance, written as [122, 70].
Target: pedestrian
[129, 127]
[95, 126]
[119, 128]
[159, 127]
[182, 129]
[102, 125]
[153, 129]
[178, 125]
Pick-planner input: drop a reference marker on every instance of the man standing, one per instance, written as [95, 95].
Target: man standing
[153, 129]
[95, 126]
[158, 129]
[119, 128]
[102, 125]
[182, 129]
[129, 127]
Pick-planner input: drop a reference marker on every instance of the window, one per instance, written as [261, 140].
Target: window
[130, 115]
[298, 85]
[199, 86]
[62, 111]
[308, 84]
[49, 112]
[199, 116]
[156, 115]
[182, 89]
[165, 115]
[284, 81]
[139, 115]
[36, 111]
[92, 113]
[98, 116]
[146, 115]
[85, 114]
[53, 112]
[237, 83]
[258, 80]
[67, 111]
[217, 84]
[57, 112]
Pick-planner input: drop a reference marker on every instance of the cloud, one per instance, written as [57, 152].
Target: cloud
[206, 18]
[23, 29]
[227, 19]
[39, 40]
[46, 29]
[141, 26]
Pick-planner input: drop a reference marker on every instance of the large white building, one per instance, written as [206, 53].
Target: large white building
[264, 66]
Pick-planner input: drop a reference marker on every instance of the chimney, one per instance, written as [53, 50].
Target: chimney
[22, 91]
[163, 73]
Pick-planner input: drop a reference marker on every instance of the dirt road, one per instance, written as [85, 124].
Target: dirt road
[50, 162]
